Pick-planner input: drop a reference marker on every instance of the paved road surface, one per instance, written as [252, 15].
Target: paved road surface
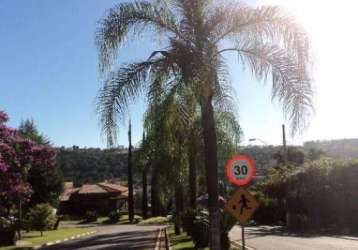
[116, 237]
[275, 238]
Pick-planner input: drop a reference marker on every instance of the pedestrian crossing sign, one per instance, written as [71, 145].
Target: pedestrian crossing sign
[241, 205]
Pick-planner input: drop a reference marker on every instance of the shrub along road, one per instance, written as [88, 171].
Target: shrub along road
[114, 237]
[275, 238]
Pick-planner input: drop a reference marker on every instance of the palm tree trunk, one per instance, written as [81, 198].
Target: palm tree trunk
[144, 195]
[179, 204]
[210, 152]
[177, 210]
[192, 171]
[130, 177]
[154, 192]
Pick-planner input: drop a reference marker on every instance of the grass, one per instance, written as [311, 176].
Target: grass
[34, 238]
[125, 219]
[154, 221]
[184, 241]
[16, 248]
[181, 241]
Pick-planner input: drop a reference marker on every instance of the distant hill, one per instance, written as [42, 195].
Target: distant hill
[90, 165]
[343, 148]
[82, 165]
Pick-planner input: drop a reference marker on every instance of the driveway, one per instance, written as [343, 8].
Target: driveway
[114, 237]
[276, 238]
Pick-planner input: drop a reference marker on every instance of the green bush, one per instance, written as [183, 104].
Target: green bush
[91, 216]
[315, 194]
[270, 212]
[200, 231]
[41, 217]
[7, 231]
[196, 224]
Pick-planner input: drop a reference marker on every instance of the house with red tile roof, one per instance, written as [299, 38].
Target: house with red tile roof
[102, 198]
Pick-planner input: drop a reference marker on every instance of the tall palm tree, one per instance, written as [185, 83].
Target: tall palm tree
[175, 115]
[144, 165]
[130, 175]
[198, 33]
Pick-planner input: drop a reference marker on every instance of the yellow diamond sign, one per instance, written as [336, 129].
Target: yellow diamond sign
[241, 205]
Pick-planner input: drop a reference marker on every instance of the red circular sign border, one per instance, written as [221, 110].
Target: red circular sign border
[228, 171]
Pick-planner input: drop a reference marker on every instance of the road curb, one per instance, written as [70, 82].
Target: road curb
[64, 240]
[167, 239]
[162, 241]
[237, 244]
[159, 240]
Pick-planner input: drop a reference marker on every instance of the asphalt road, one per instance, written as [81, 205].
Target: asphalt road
[114, 237]
[275, 238]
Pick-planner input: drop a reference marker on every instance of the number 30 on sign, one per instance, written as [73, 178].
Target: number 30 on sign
[240, 170]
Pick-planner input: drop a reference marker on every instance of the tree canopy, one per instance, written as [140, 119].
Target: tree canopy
[18, 155]
[196, 34]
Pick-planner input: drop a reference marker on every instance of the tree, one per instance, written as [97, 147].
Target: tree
[82, 165]
[294, 156]
[143, 162]
[18, 156]
[47, 184]
[175, 116]
[197, 33]
[130, 176]
[28, 129]
[41, 217]
[315, 154]
[145, 194]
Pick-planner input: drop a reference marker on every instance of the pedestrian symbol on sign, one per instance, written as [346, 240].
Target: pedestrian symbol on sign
[241, 205]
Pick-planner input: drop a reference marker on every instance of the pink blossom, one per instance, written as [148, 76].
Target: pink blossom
[3, 167]
[3, 117]
[17, 156]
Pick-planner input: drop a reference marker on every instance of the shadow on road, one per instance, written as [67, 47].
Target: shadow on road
[262, 231]
[126, 240]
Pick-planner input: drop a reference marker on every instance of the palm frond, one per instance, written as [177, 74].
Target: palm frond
[268, 23]
[290, 83]
[117, 92]
[228, 125]
[125, 17]
[224, 93]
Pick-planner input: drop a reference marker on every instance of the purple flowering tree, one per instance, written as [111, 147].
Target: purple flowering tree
[17, 156]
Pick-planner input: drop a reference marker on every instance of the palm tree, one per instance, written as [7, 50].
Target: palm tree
[144, 164]
[197, 34]
[176, 115]
[130, 176]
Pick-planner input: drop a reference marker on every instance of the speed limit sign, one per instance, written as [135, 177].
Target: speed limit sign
[240, 170]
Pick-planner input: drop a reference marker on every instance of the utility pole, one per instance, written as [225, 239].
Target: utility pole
[284, 143]
[130, 177]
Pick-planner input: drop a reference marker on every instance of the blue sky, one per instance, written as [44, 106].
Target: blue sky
[48, 72]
